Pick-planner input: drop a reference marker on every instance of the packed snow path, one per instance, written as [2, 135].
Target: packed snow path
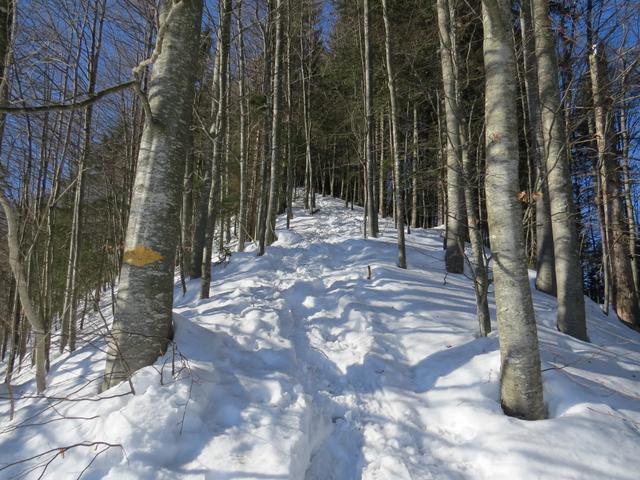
[323, 360]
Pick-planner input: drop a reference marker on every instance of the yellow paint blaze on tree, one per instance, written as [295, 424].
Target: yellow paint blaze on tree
[140, 256]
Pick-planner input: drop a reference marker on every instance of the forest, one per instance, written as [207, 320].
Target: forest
[319, 239]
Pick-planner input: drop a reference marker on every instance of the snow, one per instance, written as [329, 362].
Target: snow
[301, 367]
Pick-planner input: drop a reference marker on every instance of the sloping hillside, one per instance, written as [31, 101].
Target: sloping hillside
[305, 364]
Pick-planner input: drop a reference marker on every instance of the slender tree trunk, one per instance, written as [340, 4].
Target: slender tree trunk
[68, 330]
[521, 379]
[218, 131]
[397, 174]
[372, 214]
[22, 286]
[8, 15]
[309, 193]
[571, 310]
[266, 124]
[142, 324]
[242, 217]
[274, 184]
[414, 169]
[478, 261]
[186, 246]
[202, 226]
[545, 260]
[290, 162]
[381, 206]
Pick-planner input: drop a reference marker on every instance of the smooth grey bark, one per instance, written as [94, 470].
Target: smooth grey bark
[200, 230]
[381, 174]
[372, 213]
[624, 297]
[397, 175]
[628, 200]
[274, 183]
[414, 170]
[261, 226]
[143, 313]
[218, 131]
[22, 285]
[454, 255]
[571, 309]
[305, 73]
[242, 215]
[478, 260]
[186, 212]
[290, 161]
[520, 378]
[545, 259]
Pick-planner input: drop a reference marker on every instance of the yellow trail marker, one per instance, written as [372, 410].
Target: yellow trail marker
[140, 256]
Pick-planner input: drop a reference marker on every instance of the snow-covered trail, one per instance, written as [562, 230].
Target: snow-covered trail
[323, 360]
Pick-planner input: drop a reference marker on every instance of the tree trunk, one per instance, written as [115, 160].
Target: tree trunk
[274, 184]
[397, 174]
[454, 255]
[372, 213]
[571, 310]
[201, 227]
[242, 216]
[478, 261]
[142, 324]
[218, 131]
[22, 286]
[381, 206]
[414, 170]
[628, 199]
[521, 379]
[545, 260]
[625, 299]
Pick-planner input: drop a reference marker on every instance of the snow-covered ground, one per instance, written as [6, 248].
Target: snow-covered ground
[303, 367]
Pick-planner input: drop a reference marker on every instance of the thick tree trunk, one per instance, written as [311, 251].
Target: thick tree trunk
[454, 255]
[142, 324]
[628, 199]
[571, 310]
[624, 297]
[397, 174]
[521, 379]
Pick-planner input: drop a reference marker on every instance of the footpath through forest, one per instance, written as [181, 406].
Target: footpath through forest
[323, 360]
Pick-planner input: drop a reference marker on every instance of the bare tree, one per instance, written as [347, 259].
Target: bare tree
[571, 310]
[520, 379]
[454, 256]
[143, 316]
[397, 175]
